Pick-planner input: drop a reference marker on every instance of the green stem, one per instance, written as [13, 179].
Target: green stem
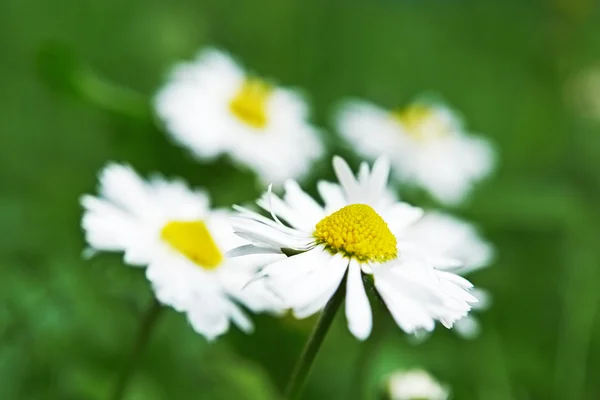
[368, 351]
[111, 96]
[302, 369]
[146, 326]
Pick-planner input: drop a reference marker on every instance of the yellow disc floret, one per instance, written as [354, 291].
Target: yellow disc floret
[359, 232]
[193, 240]
[249, 105]
[421, 122]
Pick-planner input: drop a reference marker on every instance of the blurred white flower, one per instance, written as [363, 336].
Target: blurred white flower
[445, 236]
[212, 106]
[358, 231]
[451, 237]
[427, 144]
[415, 385]
[166, 227]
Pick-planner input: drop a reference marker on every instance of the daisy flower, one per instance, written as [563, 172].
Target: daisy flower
[415, 385]
[443, 235]
[356, 233]
[169, 229]
[426, 142]
[212, 107]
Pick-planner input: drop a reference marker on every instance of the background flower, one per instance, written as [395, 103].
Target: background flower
[212, 106]
[415, 385]
[426, 142]
[166, 227]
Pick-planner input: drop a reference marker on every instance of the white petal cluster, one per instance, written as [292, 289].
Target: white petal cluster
[441, 235]
[359, 236]
[195, 103]
[429, 149]
[417, 288]
[129, 215]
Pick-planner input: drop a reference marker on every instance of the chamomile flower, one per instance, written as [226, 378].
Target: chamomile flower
[213, 107]
[426, 142]
[358, 232]
[169, 229]
[446, 236]
[415, 385]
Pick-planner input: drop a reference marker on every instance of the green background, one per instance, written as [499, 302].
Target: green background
[76, 77]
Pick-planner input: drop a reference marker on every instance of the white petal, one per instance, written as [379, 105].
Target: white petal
[292, 267]
[378, 179]
[250, 249]
[401, 215]
[235, 276]
[444, 236]
[109, 228]
[449, 168]
[240, 319]
[468, 327]
[176, 281]
[311, 293]
[209, 322]
[368, 129]
[358, 310]
[312, 306]
[122, 186]
[347, 180]
[299, 200]
[364, 175]
[332, 196]
[417, 294]
[407, 313]
[267, 236]
[245, 213]
[296, 217]
[484, 299]
[175, 198]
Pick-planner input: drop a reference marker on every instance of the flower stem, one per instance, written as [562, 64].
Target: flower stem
[368, 350]
[146, 326]
[302, 369]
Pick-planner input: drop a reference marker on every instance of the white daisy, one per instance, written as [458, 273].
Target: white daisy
[415, 385]
[166, 227]
[212, 106]
[449, 237]
[427, 144]
[358, 230]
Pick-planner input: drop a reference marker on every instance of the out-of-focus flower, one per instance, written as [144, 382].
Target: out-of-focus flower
[426, 143]
[443, 236]
[170, 229]
[358, 233]
[415, 385]
[212, 106]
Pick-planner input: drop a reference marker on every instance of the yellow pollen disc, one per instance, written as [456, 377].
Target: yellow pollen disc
[357, 231]
[193, 240]
[249, 105]
[420, 122]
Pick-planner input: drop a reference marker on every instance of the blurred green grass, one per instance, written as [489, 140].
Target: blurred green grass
[66, 324]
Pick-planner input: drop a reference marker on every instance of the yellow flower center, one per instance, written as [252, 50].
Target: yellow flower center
[193, 240]
[357, 231]
[421, 122]
[249, 105]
